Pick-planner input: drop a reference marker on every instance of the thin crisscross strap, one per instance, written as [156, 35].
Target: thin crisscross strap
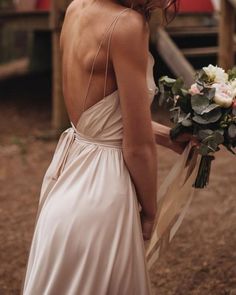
[107, 56]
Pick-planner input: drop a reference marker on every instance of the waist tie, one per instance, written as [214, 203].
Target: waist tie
[65, 142]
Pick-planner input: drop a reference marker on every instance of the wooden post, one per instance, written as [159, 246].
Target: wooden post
[59, 114]
[173, 57]
[226, 35]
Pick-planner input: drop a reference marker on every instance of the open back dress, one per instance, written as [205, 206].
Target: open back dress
[87, 238]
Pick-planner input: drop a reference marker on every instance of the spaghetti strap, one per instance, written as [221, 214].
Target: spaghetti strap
[107, 56]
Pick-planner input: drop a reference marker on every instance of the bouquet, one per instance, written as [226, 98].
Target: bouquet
[207, 110]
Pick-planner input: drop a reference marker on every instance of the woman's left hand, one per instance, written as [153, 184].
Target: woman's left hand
[180, 143]
[147, 226]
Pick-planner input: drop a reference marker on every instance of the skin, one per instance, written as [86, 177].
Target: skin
[128, 61]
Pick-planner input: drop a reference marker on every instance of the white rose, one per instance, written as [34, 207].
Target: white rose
[224, 94]
[233, 85]
[216, 74]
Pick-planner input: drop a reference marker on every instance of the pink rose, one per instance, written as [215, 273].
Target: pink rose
[194, 89]
[234, 104]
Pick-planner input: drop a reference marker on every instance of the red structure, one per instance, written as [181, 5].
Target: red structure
[196, 6]
[43, 4]
[185, 5]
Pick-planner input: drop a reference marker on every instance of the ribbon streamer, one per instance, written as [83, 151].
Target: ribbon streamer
[173, 200]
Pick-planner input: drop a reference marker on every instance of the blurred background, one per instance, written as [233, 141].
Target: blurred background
[202, 257]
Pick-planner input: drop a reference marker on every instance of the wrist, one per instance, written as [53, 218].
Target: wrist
[150, 215]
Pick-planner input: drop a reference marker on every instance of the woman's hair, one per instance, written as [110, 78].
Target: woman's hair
[169, 8]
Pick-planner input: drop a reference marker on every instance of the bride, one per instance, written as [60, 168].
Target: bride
[98, 198]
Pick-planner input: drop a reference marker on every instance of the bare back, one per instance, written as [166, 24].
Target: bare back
[85, 26]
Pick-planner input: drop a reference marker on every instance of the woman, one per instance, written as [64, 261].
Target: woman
[88, 238]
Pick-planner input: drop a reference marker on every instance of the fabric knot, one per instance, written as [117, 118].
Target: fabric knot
[65, 141]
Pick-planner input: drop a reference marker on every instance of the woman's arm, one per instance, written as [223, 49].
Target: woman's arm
[129, 52]
[162, 137]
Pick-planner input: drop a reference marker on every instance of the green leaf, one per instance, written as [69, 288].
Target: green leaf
[202, 76]
[208, 118]
[203, 150]
[213, 116]
[209, 92]
[174, 114]
[232, 73]
[210, 108]
[200, 120]
[200, 85]
[232, 131]
[213, 145]
[184, 102]
[184, 92]
[176, 88]
[199, 103]
[203, 134]
[187, 122]
[219, 138]
[168, 81]
[176, 131]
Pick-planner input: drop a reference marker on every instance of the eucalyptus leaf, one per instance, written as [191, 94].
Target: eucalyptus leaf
[219, 138]
[232, 131]
[187, 122]
[174, 115]
[202, 76]
[176, 88]
[164, 96]
[209, 118]
[204, 150]
[184, 102]
[232, 73]
[200, 120]
[213, 145]
[199, 103]
[176, 131]
[210, 92]
[186, 116]
[200, 85]
[185, 119]
[213, 116]
[202, 134]
[166, 80]
[184, 92]
[210, 108]
[221, 131]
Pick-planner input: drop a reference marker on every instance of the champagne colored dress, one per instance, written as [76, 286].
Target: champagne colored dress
[87, 238]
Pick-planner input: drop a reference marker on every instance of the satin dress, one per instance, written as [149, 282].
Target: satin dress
[87, 238]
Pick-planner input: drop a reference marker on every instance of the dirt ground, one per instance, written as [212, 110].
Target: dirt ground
[202, 257]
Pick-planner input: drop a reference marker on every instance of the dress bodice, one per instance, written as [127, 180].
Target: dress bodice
[103, 120]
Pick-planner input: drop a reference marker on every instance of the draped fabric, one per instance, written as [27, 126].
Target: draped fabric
[173, 199]
[87, 237]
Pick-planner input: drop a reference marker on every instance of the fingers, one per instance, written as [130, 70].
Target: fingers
[185, 137]
[179, 147]
[195, 141]
[147, 229]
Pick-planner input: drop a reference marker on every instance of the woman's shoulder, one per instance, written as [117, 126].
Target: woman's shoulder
[131, 28]
[132, 22]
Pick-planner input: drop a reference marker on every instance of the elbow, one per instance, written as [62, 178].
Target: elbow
[145, 151]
